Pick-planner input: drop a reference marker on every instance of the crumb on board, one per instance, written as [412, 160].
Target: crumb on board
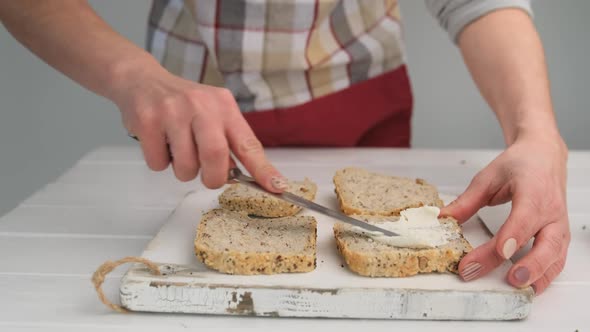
[342, 265]
[584, 227]
[463, 162]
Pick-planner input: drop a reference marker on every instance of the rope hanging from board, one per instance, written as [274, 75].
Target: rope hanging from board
[106, 268]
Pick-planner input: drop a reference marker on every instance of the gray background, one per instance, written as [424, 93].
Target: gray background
[47, 122]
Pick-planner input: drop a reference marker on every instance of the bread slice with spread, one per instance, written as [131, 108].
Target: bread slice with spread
[369, 256]
[366, 193]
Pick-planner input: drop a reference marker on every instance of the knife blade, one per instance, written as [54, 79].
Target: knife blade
[235, 174]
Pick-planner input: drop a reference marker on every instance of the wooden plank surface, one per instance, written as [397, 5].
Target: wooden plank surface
[67, 302]
[37, 254]
[102, 221]
[291, 156]
[90, 184]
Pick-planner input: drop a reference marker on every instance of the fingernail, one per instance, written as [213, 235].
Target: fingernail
[522, 275]
[279, 183]
[471, 271]
[509, 248]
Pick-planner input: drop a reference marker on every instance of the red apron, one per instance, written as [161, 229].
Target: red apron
[375, 112]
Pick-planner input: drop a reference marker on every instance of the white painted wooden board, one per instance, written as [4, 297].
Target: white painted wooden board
[330, 291]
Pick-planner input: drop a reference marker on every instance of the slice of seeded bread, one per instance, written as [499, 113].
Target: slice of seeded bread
[371, 258]
[365, 193]
[238, 197]
[234, 243]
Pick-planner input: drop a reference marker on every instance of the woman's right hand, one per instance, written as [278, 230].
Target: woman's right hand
[201, 124]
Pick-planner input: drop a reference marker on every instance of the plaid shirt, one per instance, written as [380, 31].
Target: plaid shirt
[275, 54]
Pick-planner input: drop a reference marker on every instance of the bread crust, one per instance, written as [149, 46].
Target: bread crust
[263, 205]
[349, 207]
[252, 263]
[401, 262]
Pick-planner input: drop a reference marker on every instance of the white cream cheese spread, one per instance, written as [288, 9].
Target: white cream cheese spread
[417, 227]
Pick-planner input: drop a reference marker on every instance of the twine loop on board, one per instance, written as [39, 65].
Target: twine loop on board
[108, 266]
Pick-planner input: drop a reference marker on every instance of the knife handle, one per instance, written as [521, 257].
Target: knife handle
[167, 146]
[236, 174]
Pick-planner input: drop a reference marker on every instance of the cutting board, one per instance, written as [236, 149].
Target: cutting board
[331, 290]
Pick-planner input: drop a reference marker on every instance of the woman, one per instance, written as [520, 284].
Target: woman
[228, 75]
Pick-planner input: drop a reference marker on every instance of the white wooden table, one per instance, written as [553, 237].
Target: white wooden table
[109, 205]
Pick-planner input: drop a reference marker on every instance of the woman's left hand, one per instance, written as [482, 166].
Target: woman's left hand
[532, 174]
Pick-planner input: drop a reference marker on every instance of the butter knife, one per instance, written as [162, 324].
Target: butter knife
[235, 174]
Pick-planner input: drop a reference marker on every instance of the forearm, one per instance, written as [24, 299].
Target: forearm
[505, 57]
[71, 37]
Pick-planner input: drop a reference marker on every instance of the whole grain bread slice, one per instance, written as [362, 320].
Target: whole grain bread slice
[366, 193]
[372, 258]
[233, 243]
[238, 197]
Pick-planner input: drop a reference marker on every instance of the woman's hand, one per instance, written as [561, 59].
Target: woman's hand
[201, 124]
[532, 174]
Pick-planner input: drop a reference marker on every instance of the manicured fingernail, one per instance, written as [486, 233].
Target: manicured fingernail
[471, 271]
[522, 275]
[509, 248]
[279, 183]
